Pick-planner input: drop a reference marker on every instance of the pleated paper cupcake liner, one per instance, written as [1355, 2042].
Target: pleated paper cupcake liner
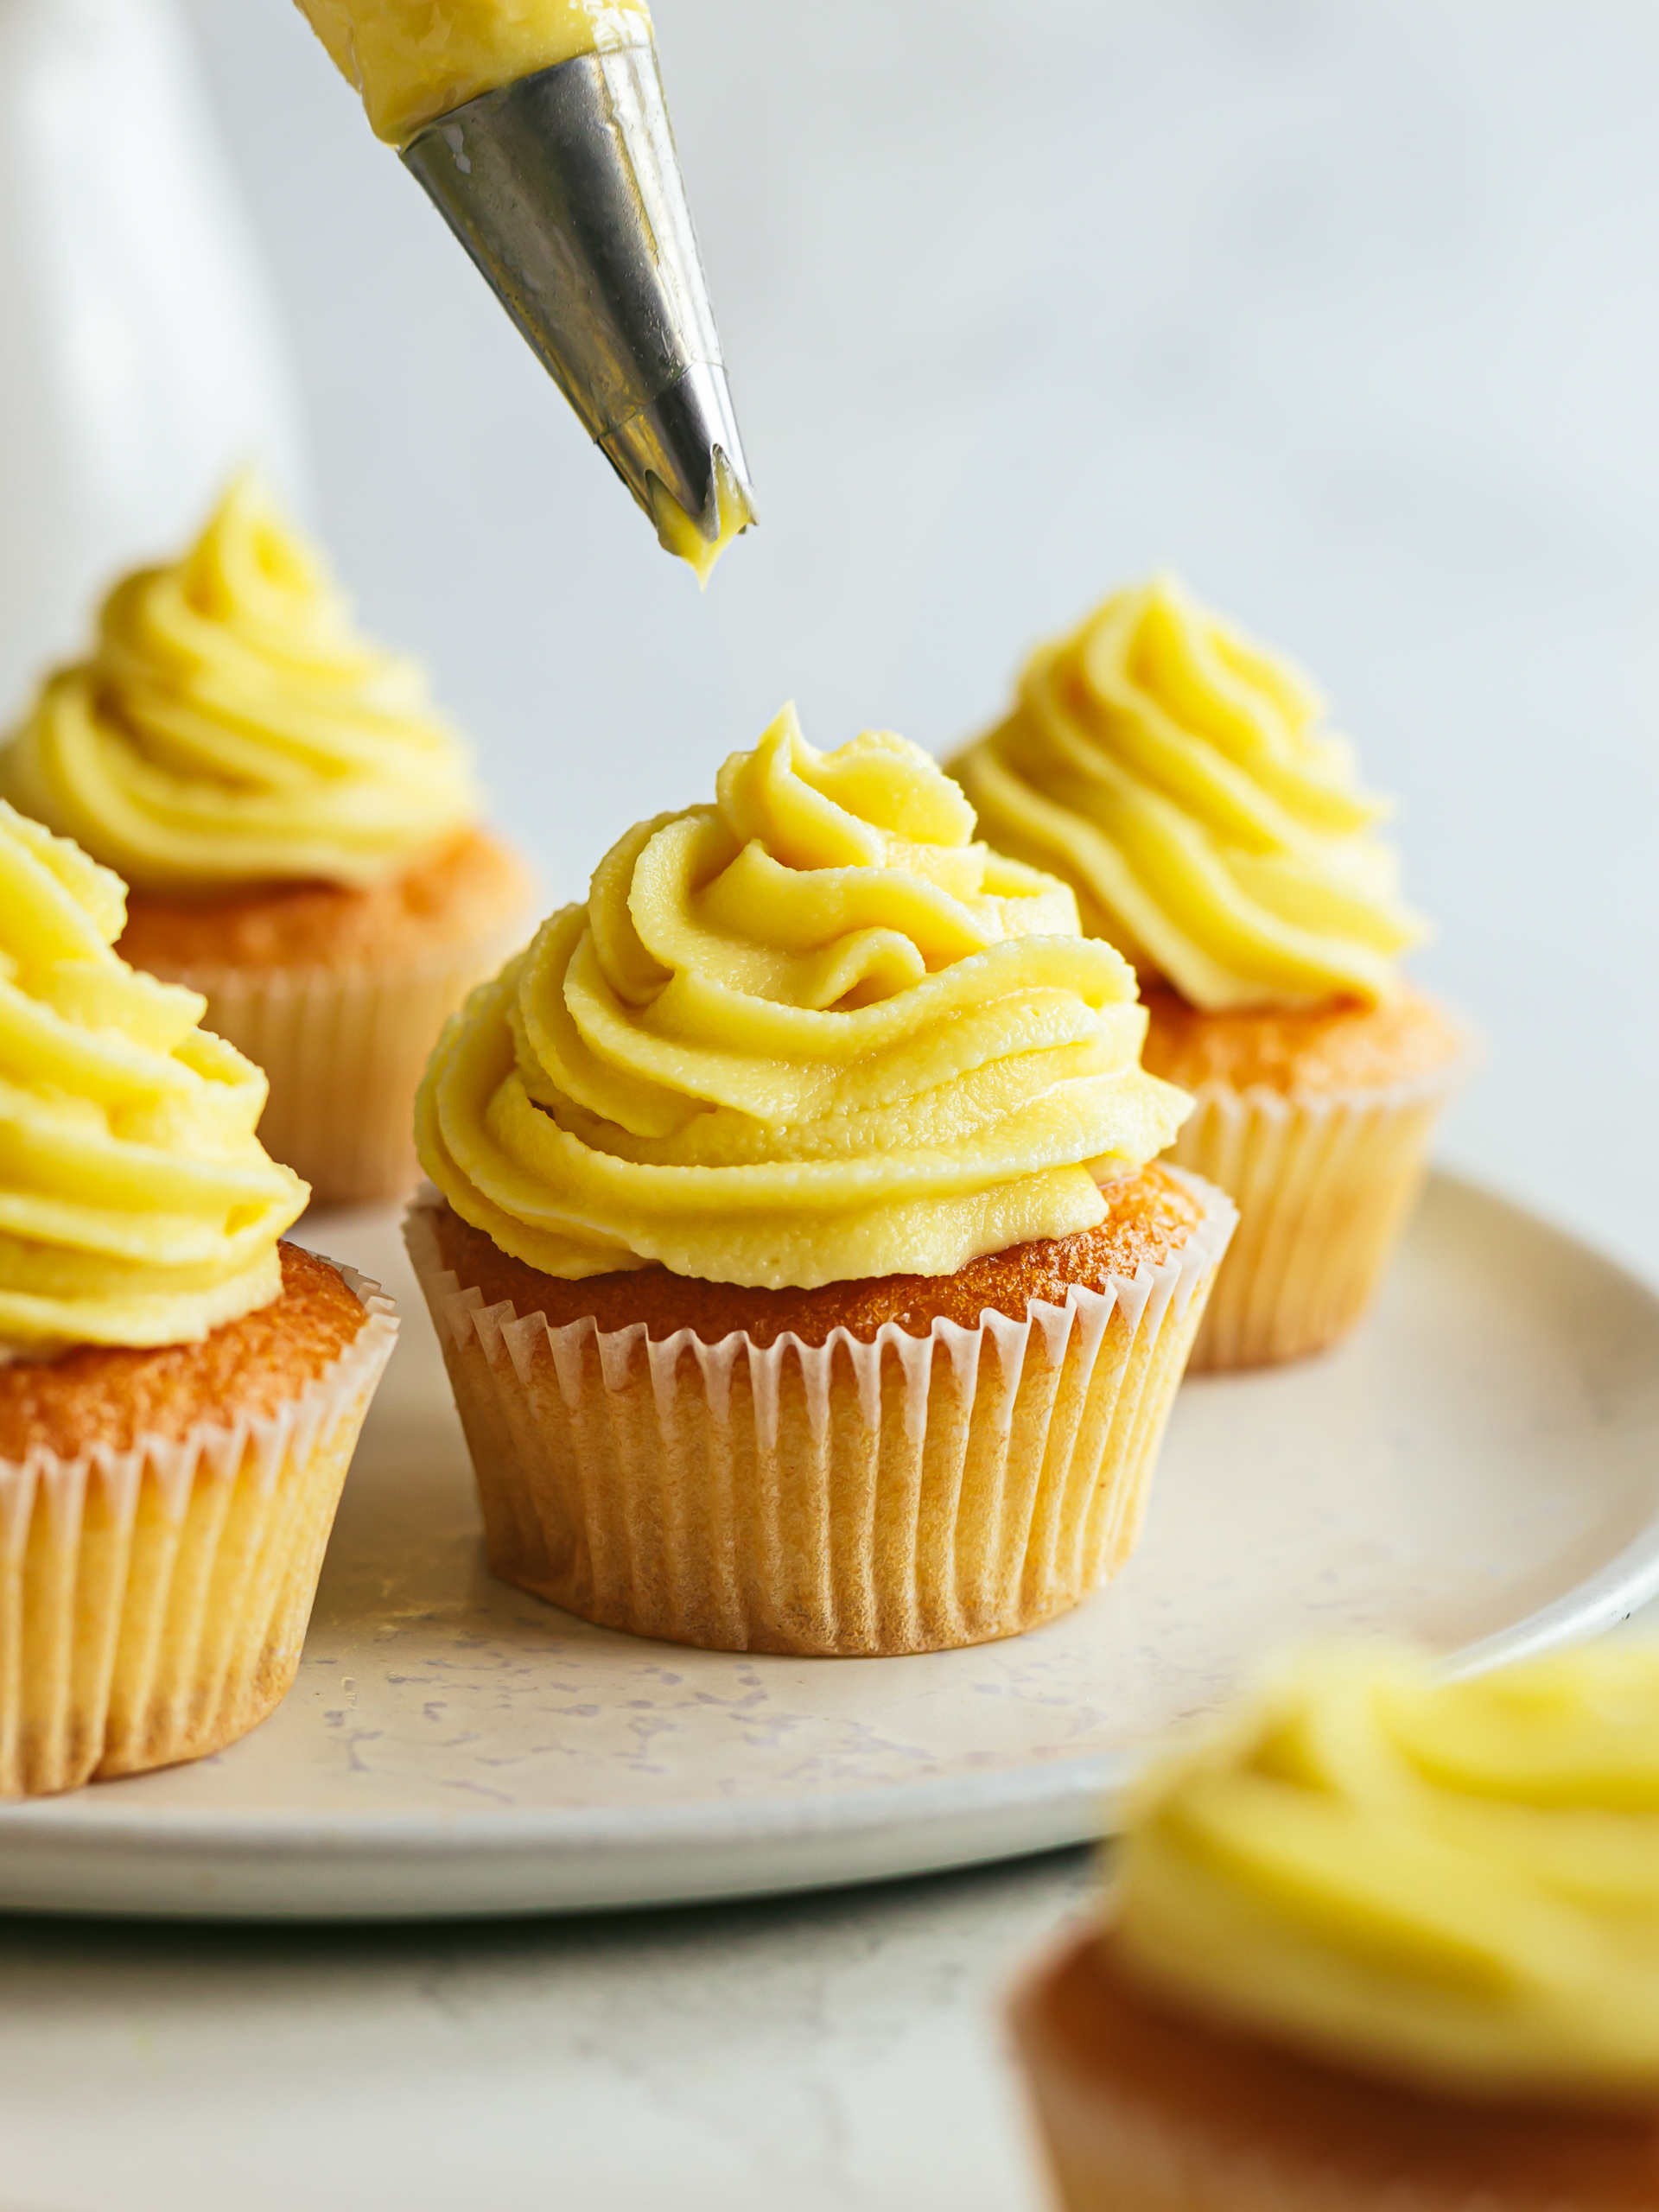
[909, 1494]
[1323, 1185]
[345, 1049]
[153, 1601]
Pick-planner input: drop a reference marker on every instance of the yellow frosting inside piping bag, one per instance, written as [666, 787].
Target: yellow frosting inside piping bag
[1454, 1884]
[136, 1205]
[811, 1032]
[413, 59]
[1182, 780]
[681, 535]
[232, 725]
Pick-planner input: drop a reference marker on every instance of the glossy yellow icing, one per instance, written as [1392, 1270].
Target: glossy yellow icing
[811, 1032]
[136, 1205]
[1455, 1884]
[413, 59]
[680, 534]
[232, 725]
[1183, 781]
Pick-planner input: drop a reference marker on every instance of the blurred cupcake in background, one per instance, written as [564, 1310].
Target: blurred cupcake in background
[1183, 781]
[1378, 1940]
[298, 828]
[795, 1252]
[180, 1392]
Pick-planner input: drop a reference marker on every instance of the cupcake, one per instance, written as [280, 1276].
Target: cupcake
[1182, 780]
[794, 1247]
[298, 829]
[1380, 1943]
[180, 1392]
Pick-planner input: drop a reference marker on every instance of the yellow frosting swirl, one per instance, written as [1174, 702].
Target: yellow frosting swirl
[1455, 1884]
[136, 1205]
[413, 59]
[231, 727]
[809, 1033]
[1180, 779]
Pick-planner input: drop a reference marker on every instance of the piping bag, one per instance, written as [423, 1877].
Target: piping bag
[564, 187]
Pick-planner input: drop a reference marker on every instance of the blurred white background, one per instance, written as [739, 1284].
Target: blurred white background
[141, 355]
[1345, 308]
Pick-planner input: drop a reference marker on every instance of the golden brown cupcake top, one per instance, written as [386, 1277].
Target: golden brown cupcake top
[109, 1395]
[472, 887]
[1149, 1217]
[1345, 1046]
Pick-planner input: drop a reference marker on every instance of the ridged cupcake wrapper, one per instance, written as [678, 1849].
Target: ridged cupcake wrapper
[344, 1050]
[1323, 1185]
[153, 1602]
[908, 1494]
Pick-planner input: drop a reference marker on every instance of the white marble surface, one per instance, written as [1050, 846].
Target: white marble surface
[1342, 305]
[796, 2056]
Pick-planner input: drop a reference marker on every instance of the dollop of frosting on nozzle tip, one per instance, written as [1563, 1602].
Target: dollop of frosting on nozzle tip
[690, 537]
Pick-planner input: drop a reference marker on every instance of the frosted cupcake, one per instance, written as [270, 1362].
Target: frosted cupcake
[180, 1394]
[802, 1276]
[1379, 1942]
[1182, 780]
[299, 829]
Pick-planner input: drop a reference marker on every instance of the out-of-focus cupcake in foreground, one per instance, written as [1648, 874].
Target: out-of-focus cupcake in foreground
[800, 1270]
[1379, 1941]
[180, 1392]
[1183, 781]
[298, 829]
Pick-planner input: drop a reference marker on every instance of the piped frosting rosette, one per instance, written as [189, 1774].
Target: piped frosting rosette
[810, 1035]
[1184, 782]
[232, 726]
[136, 1205]
[812, 1032]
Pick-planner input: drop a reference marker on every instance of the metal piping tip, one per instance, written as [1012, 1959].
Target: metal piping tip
[565, 188]
[676, 440]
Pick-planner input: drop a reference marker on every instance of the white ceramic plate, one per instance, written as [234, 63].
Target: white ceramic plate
[1478, 1469]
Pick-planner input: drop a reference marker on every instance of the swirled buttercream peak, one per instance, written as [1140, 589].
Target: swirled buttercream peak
[136, 1205]
[232, 727]
[1183, 779]
[811, 1032]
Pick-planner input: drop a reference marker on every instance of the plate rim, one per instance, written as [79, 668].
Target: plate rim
[1016, 1810]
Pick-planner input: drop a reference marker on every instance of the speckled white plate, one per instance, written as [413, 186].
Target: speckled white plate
[1480, 1469]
